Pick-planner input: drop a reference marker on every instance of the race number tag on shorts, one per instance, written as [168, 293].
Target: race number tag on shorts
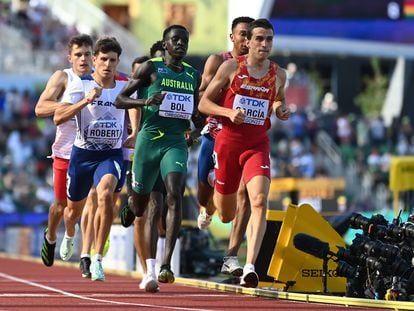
[177, 105]
[255, 108]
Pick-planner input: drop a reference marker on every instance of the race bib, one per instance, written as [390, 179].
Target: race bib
[177, 105]
[256, 109]
[105, 132]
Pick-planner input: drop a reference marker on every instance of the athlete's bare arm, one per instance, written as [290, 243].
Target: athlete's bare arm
[67, 111]
[221, 81]
[144, 76]
[280, 108]
[49, 99]
[197, 118]
[135, 119]
[211, 66]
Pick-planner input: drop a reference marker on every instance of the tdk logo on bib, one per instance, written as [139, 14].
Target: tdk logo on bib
[252, 102]
[177, 106]
[255, 109]
[179, 97]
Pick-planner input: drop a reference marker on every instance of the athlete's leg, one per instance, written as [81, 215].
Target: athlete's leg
[240, 221]
[258, 188]
[146, 231]
[88, 232]
[231, 263]
[60, 169]
[205, 190]
[87, 222]
[145, 236]
[174, 183]
[47, 253]
[104, 213]
[56, 210]
[54, 218]
[226, 205]
[141, 246]
[72, 214]
[160, 250]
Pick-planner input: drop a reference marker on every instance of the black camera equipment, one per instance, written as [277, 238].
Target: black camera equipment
[379, 263]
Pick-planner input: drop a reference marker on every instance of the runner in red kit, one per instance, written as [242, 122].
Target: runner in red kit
[253, 89]
[205, 187]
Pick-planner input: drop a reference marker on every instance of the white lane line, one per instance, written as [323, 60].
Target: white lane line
[163, 296]
[65, 293]
[108, 295]
[26, 295]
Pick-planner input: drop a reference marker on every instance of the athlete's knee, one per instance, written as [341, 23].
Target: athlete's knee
[106, 196]
[73, 213]
[258, 201]
[57, 208]
[139, 203]
[153, 210]
[226, 217]
[173, 199]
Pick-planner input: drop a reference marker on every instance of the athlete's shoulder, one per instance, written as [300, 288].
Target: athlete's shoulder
[61, 74]
[280, 72]
[226, 55]
[157, 60]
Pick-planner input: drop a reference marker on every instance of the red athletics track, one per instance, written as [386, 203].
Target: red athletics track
[28, 285]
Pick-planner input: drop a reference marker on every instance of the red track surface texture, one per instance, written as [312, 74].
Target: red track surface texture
[26, 285]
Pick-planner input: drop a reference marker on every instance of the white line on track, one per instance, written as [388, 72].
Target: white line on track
[65, 293]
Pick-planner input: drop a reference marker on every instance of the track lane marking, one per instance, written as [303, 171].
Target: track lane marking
[65, 293]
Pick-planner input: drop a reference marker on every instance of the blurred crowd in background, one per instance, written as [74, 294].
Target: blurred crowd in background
[364, 143]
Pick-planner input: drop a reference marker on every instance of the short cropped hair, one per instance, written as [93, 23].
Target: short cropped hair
[239, 20]
[139, 60]
[258, 23]
[169, 28]
[107, 44]
[80, 40]
[157, 46]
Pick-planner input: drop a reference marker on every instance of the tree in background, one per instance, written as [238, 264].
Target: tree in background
[371, 99]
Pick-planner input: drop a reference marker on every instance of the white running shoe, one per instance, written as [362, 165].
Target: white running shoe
[249, 279]
[204, 220]
[97, 272]
[231, 266]
[67, 247]
[149, 283]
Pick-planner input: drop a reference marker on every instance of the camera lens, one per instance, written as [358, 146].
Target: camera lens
[346, 270]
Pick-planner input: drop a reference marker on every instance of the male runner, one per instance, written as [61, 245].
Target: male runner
[205, 191]
[97, 148]
[161, 146]
[80, 56]
[253, 89]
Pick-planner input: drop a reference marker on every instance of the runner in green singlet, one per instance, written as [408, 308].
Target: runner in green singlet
[161, 146]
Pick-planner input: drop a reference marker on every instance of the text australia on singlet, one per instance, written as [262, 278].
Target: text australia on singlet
[177, 105]
[256, 109]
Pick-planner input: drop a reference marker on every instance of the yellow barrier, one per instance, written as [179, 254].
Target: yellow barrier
[302, 271]
[323, 193]
[401, 177]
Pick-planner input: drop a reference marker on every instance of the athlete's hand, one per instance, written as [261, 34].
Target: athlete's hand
[237, 116]
[155, 99]
[190, 139]
[94, 94]
[283, 112]
[130, 142]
